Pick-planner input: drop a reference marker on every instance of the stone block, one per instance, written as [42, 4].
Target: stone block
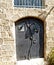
[8, 63]
[3, 5]
[15, 17]
[5, 22]
[3, 0]
[3, 34]
[0, 58]
[10, 11]
[7, 47]
[50, 34]
[0, 35]
[0, 63]
[1, 41]
[2, 16]
[50, 44]
[6, 58]
[6, 53]
[0, 28]
[10, 34]
[3, 53]
[11, 23]
[6, 28]
[10, 53]
[0, 22]
[53, 38]
[9, 5]
[1, 11]
[8, 0]
[8, 41]
[49, 2]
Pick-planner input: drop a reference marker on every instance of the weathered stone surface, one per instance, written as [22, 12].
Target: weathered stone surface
[8, 15]
[10, 34]
[8, 41]
[6, 28]
[3, 34]
[3, 5]
[7, 63]
[0, 28]
[0, 59]
[7, 47]
[2, 16]
[49, 2]
[5, 22]
[1, 41]
[8, 0]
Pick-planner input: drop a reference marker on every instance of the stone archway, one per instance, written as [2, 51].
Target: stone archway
[29, 44]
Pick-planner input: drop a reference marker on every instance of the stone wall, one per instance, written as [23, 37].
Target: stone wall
[9, 14]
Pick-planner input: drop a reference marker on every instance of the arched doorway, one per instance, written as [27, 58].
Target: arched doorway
[29, 38]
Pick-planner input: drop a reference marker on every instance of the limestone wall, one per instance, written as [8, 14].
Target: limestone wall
[8, 15]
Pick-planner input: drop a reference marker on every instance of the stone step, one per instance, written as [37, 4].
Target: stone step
[37, 61]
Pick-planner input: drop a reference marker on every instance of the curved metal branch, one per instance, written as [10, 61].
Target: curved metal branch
[30, 38]
[29, 50]
[44, 14]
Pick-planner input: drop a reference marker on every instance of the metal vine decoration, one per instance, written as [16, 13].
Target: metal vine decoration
[29, 32]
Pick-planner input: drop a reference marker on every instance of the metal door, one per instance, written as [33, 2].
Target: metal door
[29, 39]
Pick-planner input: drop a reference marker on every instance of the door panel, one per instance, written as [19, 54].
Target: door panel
[29, 39]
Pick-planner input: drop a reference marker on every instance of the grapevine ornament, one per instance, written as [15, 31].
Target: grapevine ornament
[30, 29]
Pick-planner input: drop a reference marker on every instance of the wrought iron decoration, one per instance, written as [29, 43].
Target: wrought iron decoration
[30, 29]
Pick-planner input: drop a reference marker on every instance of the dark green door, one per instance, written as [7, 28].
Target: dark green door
[29, 38]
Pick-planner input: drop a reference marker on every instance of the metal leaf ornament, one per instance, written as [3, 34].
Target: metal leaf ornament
[31, 29]
[29, 32]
